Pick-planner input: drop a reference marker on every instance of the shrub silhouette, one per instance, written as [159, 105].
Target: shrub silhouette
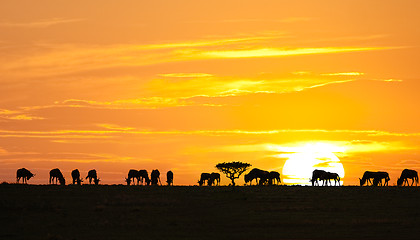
[233, 170]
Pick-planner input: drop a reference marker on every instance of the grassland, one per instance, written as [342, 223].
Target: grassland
[187, 212]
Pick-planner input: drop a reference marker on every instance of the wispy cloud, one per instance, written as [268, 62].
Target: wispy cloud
[110, 132]
[343, 74]
[185, 75]
[40, 23]
[278, 52]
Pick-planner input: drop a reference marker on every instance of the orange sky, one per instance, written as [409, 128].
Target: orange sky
[184, 85]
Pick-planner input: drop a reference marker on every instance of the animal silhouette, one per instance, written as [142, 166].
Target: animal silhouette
[374, 178]
[92, 175]
[155, 177]
[75, 175]
[132, 175]
[170, 178]
[25, 174]
[203, 178]
[260, 176]
[328, 176]
[408, 174]
[274, 178]
[214, 179]
[144, 177]
[55, 174]
[317, 175]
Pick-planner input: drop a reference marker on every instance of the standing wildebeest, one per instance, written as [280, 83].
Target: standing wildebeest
[155, 177]
[317, 175]
[273, 175]
[327, 176]
[93, 175]
[170, 178]
[57, 175]
[143, 175]
[132, 175]
[75, 175]
[405, 175]
[204, 177]
[25, 174]
[376, 176]
[214, 177]
[256, 174]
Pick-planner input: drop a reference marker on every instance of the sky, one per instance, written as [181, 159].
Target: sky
[183, 85]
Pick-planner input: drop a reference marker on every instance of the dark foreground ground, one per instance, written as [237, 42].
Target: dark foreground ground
[122, 212]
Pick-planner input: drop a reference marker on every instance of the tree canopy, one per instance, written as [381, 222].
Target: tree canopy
[233, 170]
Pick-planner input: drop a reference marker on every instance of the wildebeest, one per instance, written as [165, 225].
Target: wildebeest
[259, 175]
[273, 175]
[75, 175]
[376, 176]
[317, 175]
[214, 178]
[144, 176]
[327, 176]
[155, 177]
[92, 175]
[132, 175]
[58, 176]
[25, 174]
[204, 177]
[170, 178]
[408, 174]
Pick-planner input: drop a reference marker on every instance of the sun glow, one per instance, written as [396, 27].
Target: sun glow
[303, 159]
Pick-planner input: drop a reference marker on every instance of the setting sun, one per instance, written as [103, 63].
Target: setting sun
[303, 159]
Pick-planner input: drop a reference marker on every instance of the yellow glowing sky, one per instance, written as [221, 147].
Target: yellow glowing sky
[184, 85]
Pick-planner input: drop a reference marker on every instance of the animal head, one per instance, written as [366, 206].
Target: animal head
[200, 182]
[79, 181]
[62, 181]
[97, 181]
[400, 181]
[247, 178]
[361, 181]
[128, 180]
[30, 175]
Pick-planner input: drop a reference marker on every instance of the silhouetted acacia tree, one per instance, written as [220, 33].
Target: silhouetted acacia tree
[233, 170]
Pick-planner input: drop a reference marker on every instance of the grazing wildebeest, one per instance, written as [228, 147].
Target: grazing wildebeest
[377, 178]
[317, 175]
[155, 177]
[132, 175]
[214, 177]
[58, 176]
[96, 181]
[170, 178]
[75, 175]
[25, 174]
[256, 174]
[204, 177]
[273, 175]
[326, 178]
[92, 175]
[144, 176]
[405, 175]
